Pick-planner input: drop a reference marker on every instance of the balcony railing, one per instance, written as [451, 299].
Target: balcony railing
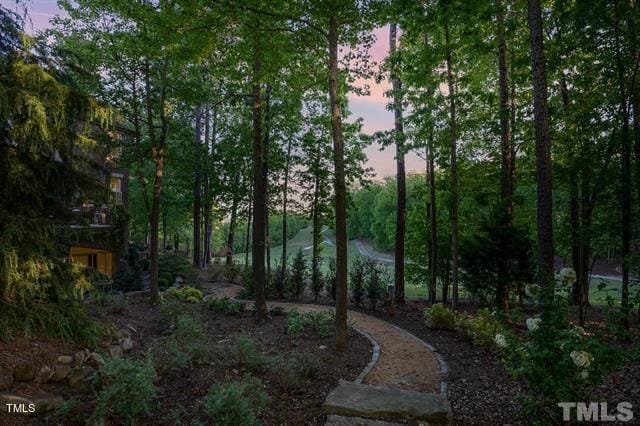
[117, 197]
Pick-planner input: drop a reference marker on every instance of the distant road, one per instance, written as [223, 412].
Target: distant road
[364, 252]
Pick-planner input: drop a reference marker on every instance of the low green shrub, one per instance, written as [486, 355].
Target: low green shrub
[321, 322]
[439, 317]
[375, 286]
[331, 278]
[235, 403]
[126, 388]
[297, 367]
[187, 343]
[187, 293]
[297, 276]
[173, 265]
[225, 305]
[248, 353]
[482, 327]
[357, 279]
[280, 280]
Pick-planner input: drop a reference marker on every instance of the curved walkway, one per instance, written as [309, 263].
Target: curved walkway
[405, 362]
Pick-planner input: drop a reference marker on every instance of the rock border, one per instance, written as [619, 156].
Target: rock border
[375, 356]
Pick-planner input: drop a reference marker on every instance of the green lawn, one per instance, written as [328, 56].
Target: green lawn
[302, 240]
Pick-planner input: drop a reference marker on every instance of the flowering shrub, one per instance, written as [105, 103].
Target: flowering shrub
[439, 316]
[482, 328]
[558, 361]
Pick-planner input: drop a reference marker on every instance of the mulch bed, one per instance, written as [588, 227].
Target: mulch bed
[179, 391]
[479, 389]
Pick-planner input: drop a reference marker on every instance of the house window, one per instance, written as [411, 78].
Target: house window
[115, 184]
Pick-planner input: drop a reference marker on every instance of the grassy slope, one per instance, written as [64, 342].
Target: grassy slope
[302, 240]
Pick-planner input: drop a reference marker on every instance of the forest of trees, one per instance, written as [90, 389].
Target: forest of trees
[236, 116]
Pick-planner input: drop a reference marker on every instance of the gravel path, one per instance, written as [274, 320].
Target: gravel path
[405, 361]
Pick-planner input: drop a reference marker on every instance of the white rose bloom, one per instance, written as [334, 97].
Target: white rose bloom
[500, 340]
[581, 358]
[584, 374]
[533, 323]
[568, 274]
[578, 331]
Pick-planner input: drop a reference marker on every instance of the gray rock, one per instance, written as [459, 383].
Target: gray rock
[115, 351]
[334, 420]
[378, 402]
[60, 373]
[126, 345]
[79, 358]
[80, 378]
[65, 359]
[30, 405]
[6, 378]
[95, 360]
[24, 372]
[44, 374]
[123, 334]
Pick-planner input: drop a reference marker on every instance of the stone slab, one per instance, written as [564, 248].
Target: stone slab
[382, 403]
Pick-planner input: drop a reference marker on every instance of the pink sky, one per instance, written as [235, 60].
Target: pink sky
[372, 108]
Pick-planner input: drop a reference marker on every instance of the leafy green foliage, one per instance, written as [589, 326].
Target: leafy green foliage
[127, 388]
[320, 321]
[298, 275]
[296, 367]
[187, 294]
[482, 327]
[280, 280]
[186, 343]
[330, 279]
[439, 317]
[248, 353]
[357, 279]
[173, 265]
[226, 306]
[375, 284]
[235, 403]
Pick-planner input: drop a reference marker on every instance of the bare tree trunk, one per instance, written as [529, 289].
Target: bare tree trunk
[625, 177]
[208, 226]
[401, 186]
[315, 255]
[165, 215]
[340, 189]
[265, 171]
[454, 173]
[232, 221]
[544, 220]
[433, 251]
[197, 188]
[285, 194]
[259, 195]
[506, 176]
[248, 230]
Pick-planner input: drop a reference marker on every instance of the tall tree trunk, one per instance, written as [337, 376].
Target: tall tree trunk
[158, 156]
[315, 218]
[208, 226]
[454, 172]
[285, 194]
[340, 189]
[153, 221]
[232, 221]
[544, 218]
[625, 175]
[248, 230]
[259, 200]
[433, 251]
[506, 176]
[197, 188]
[401, 185]
[265, 172]
[165, 215]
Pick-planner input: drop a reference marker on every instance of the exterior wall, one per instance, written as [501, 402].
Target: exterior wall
[104, 259]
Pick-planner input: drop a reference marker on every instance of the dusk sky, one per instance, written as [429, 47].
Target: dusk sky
[371, 108]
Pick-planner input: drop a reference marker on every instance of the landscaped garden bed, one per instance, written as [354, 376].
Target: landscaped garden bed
[196, 362]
